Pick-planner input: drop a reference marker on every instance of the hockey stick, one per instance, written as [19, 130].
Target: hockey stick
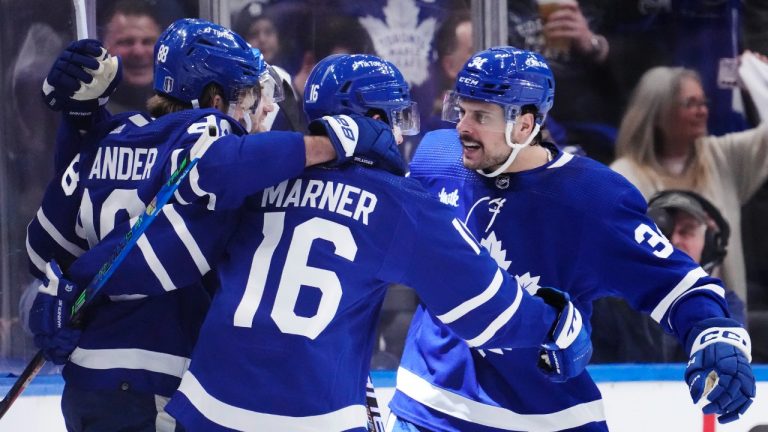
[375, 424]
[118, 255]
[81, 19]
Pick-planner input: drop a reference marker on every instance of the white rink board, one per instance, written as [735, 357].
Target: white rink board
[631, 406]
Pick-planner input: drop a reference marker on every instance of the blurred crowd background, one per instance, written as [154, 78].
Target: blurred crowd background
[600, 52]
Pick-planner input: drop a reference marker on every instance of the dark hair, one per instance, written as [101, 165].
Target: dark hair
[445, 37]
[124, 7]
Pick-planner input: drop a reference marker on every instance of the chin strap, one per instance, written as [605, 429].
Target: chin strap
[515, 149]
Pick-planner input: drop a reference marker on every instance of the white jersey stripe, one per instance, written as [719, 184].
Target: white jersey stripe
[472, 411]
[230, 416]
[130, 358]
[186, 237]
[499, 322]
[466, 235]
[684, 285]
[36, 259]
[174, 163]
[475, 302]
[57, 236]
[154, 263]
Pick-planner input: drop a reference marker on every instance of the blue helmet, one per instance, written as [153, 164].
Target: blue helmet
[506, 76]
[356, 84]
[192, 53]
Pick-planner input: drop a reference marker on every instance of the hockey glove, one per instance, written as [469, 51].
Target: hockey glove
[566, 352]
[719, 369]
[50, 314]
[362, 139]
[81, 80]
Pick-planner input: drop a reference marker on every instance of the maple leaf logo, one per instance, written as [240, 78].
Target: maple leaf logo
[496, 250]
[401, 39]
[530, 283]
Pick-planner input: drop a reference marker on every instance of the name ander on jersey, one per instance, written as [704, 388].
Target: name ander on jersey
[339, 198]
[121, 163]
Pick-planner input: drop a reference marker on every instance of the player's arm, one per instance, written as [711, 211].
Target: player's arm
[232, 167]
[644, 268]
[181, 245]
[464, 288]
[79, 84]
[52, 232]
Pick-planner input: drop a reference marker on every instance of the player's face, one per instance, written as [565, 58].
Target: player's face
[688, 234]
[481, 129]
[252, 107]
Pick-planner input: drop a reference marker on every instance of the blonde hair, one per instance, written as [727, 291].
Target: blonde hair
[648, 113]
[160, 104]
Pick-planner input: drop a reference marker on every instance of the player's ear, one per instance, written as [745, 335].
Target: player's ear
[525, 123]
[218, 103]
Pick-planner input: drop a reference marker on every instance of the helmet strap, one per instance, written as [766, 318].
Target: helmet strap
[515, 148]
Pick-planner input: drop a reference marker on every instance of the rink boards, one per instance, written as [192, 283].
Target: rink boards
[638, 398]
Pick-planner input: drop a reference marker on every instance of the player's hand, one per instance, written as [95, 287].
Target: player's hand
[566, 352]
[81, 79]
[362, 139]
[718, 369]
[50, 314]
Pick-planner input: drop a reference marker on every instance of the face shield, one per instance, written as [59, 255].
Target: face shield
[485, 116]
[252, 106]
[406, 119]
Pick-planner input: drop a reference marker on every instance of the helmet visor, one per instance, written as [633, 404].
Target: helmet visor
[271, 85]
[406, 118]
[482, 114]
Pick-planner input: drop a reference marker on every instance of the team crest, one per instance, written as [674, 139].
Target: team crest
[477, 62]
[502, 182]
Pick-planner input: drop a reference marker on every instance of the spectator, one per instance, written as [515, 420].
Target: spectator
[130, 31]
[330, 34]
[663, 144]
[258, 26]
[696, 227]
[591, 117]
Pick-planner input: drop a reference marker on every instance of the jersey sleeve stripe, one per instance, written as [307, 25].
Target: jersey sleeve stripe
[684, 285]
[186, 237]
[154, 264]
[57, 236]
[475, 302]
[130, 358]
[232, 417]
[36, 259]
[717, 289]
[499, 322]
[466, 235]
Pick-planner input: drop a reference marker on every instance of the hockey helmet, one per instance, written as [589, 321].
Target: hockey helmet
[357, 84]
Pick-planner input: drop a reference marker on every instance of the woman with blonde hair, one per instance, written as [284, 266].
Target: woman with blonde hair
[663, 144]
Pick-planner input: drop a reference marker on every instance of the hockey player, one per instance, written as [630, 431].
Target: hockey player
[581, 227]
[288, 339]
[133, 351]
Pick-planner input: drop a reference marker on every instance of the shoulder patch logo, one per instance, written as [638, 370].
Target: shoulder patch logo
[451, 199]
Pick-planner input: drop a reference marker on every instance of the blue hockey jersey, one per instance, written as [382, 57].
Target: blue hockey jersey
[133, 342]
[287, 342]
[572, 224]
